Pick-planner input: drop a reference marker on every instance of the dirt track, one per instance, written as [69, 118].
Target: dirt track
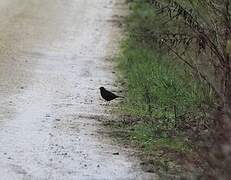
[53, 58]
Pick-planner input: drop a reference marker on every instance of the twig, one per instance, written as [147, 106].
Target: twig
[192, 67]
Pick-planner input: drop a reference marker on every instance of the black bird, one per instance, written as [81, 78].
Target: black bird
[107, 95]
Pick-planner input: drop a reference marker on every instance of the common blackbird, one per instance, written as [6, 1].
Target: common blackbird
[107, 95]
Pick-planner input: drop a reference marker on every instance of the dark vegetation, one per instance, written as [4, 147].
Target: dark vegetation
[175, 64]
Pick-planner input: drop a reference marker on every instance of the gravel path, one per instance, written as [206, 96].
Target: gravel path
[53, 57]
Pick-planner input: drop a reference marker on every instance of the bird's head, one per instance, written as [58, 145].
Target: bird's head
[101, 88]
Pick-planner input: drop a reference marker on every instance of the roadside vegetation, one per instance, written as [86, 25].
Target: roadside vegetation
[175, 68]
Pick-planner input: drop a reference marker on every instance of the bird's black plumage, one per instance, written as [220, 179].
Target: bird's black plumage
[107, 95]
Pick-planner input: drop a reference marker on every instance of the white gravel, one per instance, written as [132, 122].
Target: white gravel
[52, 62]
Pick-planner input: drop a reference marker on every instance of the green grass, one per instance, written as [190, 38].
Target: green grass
[160, 90]
[150, 138]
[156, 85]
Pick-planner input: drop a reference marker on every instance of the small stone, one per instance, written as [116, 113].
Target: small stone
[116, 153]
